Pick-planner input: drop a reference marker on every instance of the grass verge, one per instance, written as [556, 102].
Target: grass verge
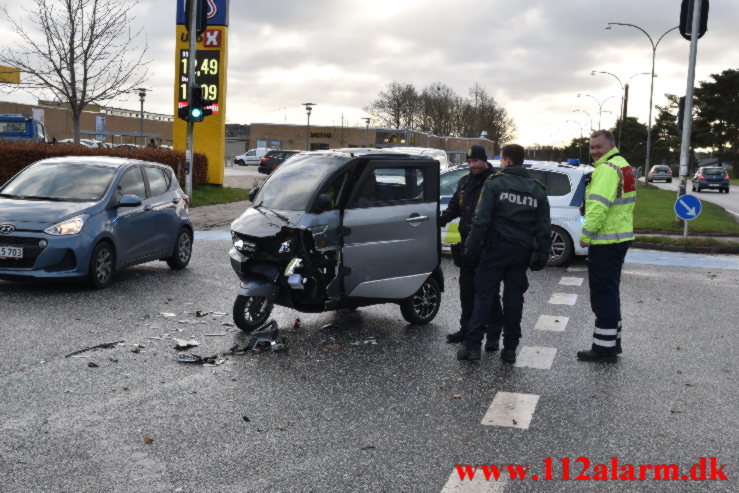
[655, 212]
[212, 195]
[692, 242]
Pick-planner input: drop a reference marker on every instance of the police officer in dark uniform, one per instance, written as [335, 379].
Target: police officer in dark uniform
[462, 206]
[510, 232]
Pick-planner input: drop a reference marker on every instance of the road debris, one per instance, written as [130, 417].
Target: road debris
[215, 335]
[93, 365]
[168, 314]
[182, 344]
[148, 441]
[201, 314]
[194, 359]
[109, 345]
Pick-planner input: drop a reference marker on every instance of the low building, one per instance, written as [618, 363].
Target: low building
[107, 124]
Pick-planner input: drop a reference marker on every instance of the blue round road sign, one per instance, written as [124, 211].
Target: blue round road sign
[687, 207]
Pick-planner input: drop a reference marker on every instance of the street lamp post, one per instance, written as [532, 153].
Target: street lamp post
[600, 105]
[142, 97]
[589, 116]
[366, 131]
[623, 85]
[651, 86]
[308, 109]
[581, 136]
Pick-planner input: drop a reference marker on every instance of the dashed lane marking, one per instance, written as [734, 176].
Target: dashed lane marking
[577, 268]
[563, 299]
[571, 281]
[511, 410]
[477, 485]
[540, 358]
[552, 322]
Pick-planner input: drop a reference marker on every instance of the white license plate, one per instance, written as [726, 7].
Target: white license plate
[713, 184]
[11, 252]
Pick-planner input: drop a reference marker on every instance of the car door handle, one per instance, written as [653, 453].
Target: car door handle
[414, 219]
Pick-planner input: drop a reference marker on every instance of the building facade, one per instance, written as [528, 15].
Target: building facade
[112, 125]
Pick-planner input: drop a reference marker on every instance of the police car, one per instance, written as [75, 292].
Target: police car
[565, 189]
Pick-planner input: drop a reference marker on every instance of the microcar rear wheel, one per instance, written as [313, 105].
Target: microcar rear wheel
[561, 247]
[422, 307]
[251, 312]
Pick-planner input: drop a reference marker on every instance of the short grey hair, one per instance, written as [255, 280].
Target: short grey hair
[605, 133]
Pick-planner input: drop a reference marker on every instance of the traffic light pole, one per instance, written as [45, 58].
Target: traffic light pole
[688, 114]
[189, 154]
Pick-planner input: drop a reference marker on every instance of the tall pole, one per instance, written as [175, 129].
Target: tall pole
[624, 96]
[366, 132]
[189, 154]
[688, 112]
[308, 110]
[651, 85]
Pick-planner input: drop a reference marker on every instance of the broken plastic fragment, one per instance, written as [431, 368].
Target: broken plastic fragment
[168, 314]
[183, 344]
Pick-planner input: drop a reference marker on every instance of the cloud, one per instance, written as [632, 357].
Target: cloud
[534, 56]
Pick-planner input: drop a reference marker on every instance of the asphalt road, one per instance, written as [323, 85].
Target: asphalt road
[369, 404]
[729, 201]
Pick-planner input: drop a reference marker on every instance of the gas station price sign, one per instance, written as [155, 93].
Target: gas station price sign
[207, 76]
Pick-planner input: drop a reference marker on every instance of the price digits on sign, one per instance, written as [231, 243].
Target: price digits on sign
[207, 66]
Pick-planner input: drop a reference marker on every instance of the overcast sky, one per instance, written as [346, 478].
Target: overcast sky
[533, 56]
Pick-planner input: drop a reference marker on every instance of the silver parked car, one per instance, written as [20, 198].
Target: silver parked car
[331, 230]
[659, 172]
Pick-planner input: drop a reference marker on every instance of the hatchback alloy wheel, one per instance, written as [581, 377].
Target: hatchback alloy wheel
[101, 266]
[182, 250]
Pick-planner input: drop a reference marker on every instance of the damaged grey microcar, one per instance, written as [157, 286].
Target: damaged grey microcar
[332, 230]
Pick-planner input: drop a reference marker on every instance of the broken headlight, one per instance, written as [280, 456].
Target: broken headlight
[285, 247]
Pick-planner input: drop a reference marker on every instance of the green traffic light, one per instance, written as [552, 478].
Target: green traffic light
[196, 113]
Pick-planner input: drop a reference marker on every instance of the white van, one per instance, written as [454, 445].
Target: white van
[252, 156]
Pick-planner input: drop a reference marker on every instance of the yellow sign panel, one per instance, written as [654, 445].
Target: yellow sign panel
[10, 75]
[211, 61]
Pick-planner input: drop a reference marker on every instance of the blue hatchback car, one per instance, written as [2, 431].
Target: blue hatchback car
[86, 217]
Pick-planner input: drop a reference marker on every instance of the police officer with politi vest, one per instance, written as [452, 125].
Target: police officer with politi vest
[511, 231]
[462, 205]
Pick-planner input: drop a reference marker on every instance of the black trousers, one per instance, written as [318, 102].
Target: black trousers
[504, 262]
[604, 275]
[467, 301]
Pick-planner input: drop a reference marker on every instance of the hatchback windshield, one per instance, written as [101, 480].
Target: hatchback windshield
[292, 184]
[72, 182]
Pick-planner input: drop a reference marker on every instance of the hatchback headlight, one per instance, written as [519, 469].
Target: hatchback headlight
[69, 227]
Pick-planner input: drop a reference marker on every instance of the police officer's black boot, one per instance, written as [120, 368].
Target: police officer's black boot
[455, 337]
[594, 356]
[508, 355]
[466, 353]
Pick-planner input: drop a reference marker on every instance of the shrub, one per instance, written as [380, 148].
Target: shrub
[14, 156]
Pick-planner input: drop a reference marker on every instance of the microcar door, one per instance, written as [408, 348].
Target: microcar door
[391, 235]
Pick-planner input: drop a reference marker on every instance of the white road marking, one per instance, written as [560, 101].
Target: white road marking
[577, 268]
[571, 281]
[563, 299]
[511, 410]
[552, 322]
[477, 485]
[540, 358]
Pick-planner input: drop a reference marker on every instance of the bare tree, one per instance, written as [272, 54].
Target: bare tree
[398, 104]
[79, 52]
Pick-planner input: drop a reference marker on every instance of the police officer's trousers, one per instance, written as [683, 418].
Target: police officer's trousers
[506, 262]
[604, 275]
[467, 302]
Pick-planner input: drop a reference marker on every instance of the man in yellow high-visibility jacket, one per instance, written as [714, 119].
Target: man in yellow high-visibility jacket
[608, 232]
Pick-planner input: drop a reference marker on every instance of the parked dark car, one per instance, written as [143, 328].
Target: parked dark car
[712, 178]
[273, 159]
[659, 172]
[86, 217]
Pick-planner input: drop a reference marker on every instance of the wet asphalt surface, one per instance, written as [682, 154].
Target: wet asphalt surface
[368, 404]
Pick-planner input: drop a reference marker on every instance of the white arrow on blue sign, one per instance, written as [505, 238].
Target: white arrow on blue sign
[687, 207]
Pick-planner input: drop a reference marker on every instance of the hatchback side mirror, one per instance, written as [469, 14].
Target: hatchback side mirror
[129, 201]
[324, 202]
[253, 194]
